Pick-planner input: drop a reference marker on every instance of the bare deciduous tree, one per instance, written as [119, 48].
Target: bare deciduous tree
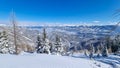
[13, 21]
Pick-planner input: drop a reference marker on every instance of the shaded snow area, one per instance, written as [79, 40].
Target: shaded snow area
[48, 61]
[112, 60]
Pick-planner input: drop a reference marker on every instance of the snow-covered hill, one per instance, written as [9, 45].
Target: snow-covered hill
[47, 61]
[70, 35]
[76, 35]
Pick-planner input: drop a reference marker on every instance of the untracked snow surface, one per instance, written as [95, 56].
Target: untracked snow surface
[47, 61]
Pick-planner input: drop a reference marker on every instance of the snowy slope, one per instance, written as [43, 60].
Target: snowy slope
[113, 60]
[46, 61]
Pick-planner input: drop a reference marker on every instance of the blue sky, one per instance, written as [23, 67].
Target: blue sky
[59, 11]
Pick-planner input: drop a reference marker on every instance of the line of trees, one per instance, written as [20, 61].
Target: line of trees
[44, 45]
[106, 46]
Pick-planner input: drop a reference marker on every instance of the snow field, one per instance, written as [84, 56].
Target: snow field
[43, 61]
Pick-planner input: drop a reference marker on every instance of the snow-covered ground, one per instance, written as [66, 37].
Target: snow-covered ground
[112, 60]
[48, 61]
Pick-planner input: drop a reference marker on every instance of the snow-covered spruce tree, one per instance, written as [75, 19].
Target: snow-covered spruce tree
[43, 44]
[107, 45]
[91, 55]
[98, 51]
[44, 35]
[116, 44]
[59, 49]
[105, 52]
[39, 45]
[4, 46]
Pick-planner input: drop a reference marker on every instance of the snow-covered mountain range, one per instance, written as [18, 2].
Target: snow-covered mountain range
[71, 35]
[78, 33]
[83, 31]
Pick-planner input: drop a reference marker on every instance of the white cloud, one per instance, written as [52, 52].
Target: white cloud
[113, 23]
[96, 21]
[30, 23]
[33, 23]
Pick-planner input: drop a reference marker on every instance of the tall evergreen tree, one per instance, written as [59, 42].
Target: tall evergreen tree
[43, 45]
[106, 47]
[44, 34]
[39, 45]
[108, 43]
[116, 44]
[98, 51]
[4, 46]
[91, 51]
[59, 49]
[105, 52]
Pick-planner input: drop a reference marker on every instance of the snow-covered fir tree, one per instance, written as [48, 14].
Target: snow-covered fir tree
[91, 55]
[4, 46]
[43, 45]
[108, 43]
[59, 48]
[105, 52]
[45, 42]
[98, 51]
[39, 45]
[106, 46]
[116, 44]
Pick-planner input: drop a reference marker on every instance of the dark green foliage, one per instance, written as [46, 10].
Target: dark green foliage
[44, 34]
[39, 45]
[91, 55]
[114, 48]
[116, 44]
[105, 52]
[4, 46]
[108, 42]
